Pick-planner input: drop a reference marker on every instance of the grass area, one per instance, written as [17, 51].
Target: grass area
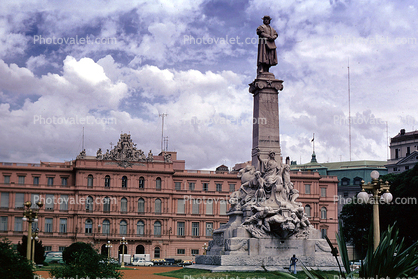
[189, 273]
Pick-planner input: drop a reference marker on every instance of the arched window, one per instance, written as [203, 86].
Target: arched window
[308, 210]
[89, 204]
[90, 180]
[140, 226]
[123, 227]
[157, 206]
[106, 227]
[124, 182]
[88, 226]
[123, 205]
[106, 204]
[157, 252]
[140, 249]
[141, 205]
[141, 182]
[157, 228]
[158, 183]
[107, 181]
[323, 213]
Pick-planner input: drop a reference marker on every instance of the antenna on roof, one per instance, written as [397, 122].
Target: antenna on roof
[163, 115]
[82, 141]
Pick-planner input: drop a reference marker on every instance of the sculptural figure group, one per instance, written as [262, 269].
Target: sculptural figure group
[270, 196]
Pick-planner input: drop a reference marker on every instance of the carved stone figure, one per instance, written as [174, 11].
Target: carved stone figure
[99, 154]
[267, 55]
[150, 157]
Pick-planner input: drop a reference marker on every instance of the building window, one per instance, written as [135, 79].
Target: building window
[64, 202]
[323, 213]
[181, 251]
[19, 200]
[323, 233]
[34, 198]
[345, 181]
[231, 188]
[395, 169]
[106, 227]
[180, 228]
[3, 223]
[195, 252]
[141, 182]
[21, 179]
[195, 206]
[106, 204]
[107, 181]
[192, 186]
[64, 181]
[406, 167]
[90, 180]
[345, 194]
[408, 151]
[62, 248]
[157, 252]
[47, 248]
[63, 225]
[50, 181]
[36, 180]
[89, 204]
[396, 153]
[218, 187]
[123, 225]
[209, 207]
[140, 226]
[177, 186]
[222, 207]
[123, 205]
[158, 183]
[357, 180]
[323, 192]
[124, 182]
[308, 210]
[307, 188]
[4, 200]
[88, 226]
[141, 205]
[209, 229]
[205, 187]
[157, 228]
[18, 224]
[7, 179]
[195, 228]
[48, 225]
[181, 204]
[157, 206]
[49, 202]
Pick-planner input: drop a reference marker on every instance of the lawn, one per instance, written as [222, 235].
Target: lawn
[189, 273]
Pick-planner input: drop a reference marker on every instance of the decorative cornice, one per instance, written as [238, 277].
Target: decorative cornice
[260, 84]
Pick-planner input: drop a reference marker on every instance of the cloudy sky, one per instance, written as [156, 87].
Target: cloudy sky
[119, 65]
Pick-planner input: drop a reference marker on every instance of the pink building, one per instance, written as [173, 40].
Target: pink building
[159, 207]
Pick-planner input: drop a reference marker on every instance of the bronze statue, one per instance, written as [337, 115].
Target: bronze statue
[267, 55]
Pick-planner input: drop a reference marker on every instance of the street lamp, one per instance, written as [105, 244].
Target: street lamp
[123, 243]
[377, 187]
[205, 247]
[30, 215]
[34, 238]
[108, 246]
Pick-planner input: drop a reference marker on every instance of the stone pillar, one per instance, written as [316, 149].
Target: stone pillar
[266, 136]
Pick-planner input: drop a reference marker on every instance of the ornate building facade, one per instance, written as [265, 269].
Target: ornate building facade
[159, 207]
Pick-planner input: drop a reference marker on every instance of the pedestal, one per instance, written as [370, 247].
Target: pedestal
[266, 137]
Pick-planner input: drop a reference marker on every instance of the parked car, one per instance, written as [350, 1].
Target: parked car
[141, 262]
[111, 261]
[158, 261]
[186, 262]
[170, 261]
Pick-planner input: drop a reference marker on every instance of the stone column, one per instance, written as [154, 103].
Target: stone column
[266, 136]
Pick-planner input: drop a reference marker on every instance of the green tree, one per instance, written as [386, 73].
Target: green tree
[82, 261]
[39, 249]
[12, 264]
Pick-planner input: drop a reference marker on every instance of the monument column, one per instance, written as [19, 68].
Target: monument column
[266, 136]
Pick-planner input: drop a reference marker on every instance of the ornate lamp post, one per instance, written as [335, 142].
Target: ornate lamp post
[123, 243]
[377, 187]
[34, 238]
[204, 247]
[30, 215]
[108, 246]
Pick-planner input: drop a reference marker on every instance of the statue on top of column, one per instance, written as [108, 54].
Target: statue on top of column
[267, 55]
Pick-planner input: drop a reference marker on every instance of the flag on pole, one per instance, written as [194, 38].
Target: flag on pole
[313, 137]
